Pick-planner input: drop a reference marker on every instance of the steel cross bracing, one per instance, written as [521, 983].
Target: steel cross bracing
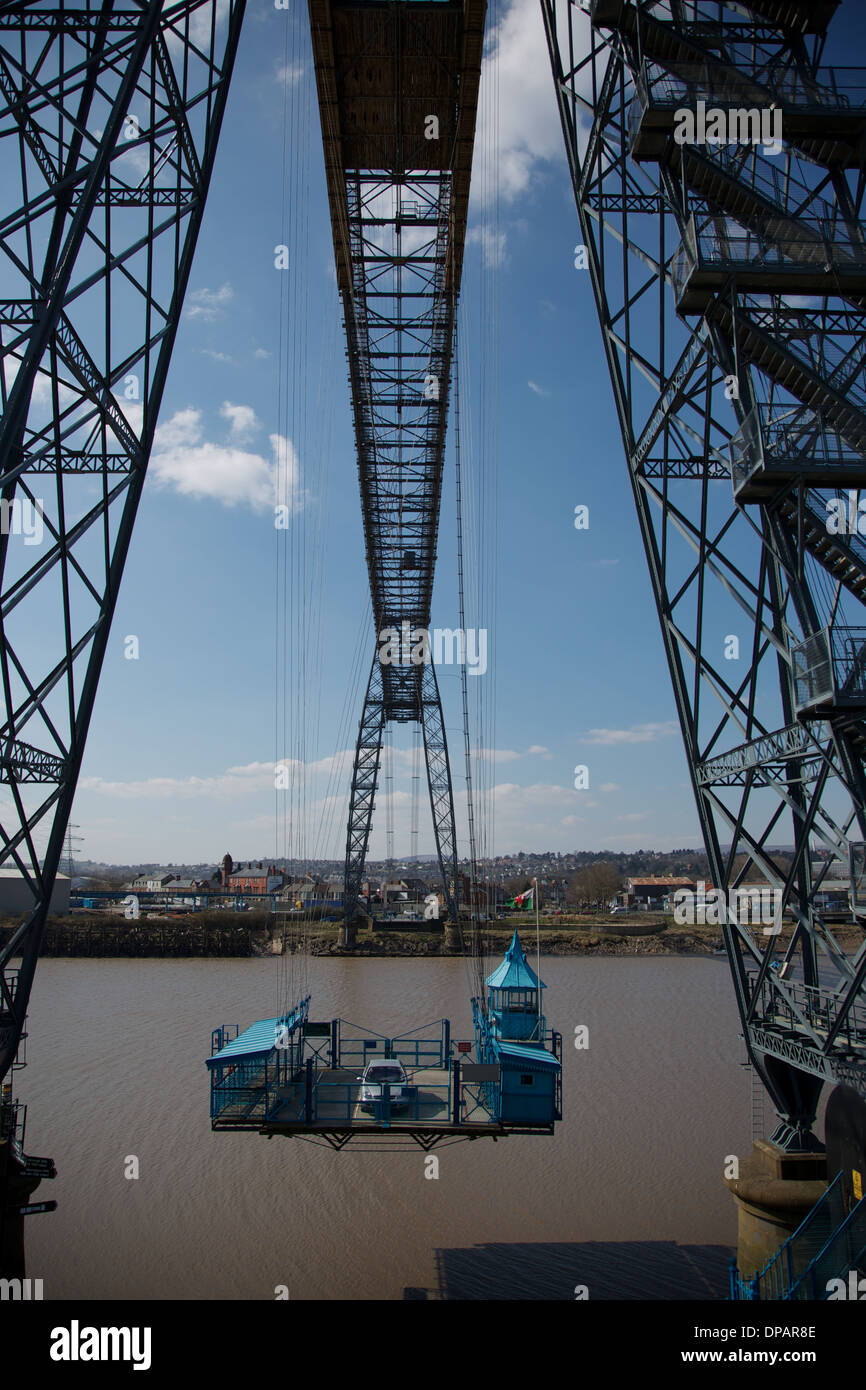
[730, 284]
[109, 119]
[398, 89]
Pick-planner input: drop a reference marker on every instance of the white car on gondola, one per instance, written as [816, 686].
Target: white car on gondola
[385, 1073]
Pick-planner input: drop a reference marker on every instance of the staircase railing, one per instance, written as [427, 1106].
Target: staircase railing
[844, 1252]
[819, 1243]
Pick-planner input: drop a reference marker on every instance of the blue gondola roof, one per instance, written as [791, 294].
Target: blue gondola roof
[534, 1058]
[514, 973]
[256, 1041]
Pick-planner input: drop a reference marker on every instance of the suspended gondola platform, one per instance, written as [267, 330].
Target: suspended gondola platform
[398, 93]
[294, 1076]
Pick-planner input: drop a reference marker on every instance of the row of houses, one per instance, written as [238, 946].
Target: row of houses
[259, 879]
[657, 891]
[250, 879]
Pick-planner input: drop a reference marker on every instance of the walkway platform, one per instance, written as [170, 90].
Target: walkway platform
[828, 112]
[779, 446]
[820, 260]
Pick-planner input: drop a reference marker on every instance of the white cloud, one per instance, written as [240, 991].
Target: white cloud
[203, 17]
[136, 159]
[518, 128]
[196, 467]
[539, 792]
[239, 799]
[539, 390]
[609, 787]
[494, 755]
[259, 776]
[492, 244]
[262, 354]
[254, 777]
[183, 428]
[242, 418]
[207, 305]
[134, 414]
[42, 395]
[538, 748]
[516, 70]
[217, 356]
[289, 73]
[542, 805]
[638, 733]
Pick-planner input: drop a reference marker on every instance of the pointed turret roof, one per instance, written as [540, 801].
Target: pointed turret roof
[514, 972]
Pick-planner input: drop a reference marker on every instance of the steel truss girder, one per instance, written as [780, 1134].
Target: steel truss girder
[109, 121]
[399, 460]
[808, 1059]
[400, 694]
[703, 549]
[767, 756]
[398, 195]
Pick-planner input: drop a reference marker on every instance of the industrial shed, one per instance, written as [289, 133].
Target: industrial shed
[16, 898]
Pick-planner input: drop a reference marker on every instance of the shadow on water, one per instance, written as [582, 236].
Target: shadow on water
[607, 1269]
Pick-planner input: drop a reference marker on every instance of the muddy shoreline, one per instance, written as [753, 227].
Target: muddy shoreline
[245, 935]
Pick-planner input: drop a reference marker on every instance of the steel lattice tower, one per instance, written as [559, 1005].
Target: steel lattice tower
[730, 284]
[398, 92]
[109, 120]
[730, 287]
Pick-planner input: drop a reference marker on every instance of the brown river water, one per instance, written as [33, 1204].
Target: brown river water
[626, 1198]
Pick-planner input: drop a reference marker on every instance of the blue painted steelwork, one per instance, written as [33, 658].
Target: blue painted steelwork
[511, 1032]
[514, 972]
[514, 1002]
[528, 1085]
[828, 1245]
[358, 1050]
[287, 1075]
[249, 1071]
[260, 1038]
[513, 1099]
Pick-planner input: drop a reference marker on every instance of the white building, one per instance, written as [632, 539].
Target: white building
[16, 898]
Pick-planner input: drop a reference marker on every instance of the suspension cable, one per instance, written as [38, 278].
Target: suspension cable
[464, 689]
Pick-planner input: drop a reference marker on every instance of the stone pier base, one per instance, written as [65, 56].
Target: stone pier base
[453, 940]
[773, 1193]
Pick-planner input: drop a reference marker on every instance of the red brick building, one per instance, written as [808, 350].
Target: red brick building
[251, 878]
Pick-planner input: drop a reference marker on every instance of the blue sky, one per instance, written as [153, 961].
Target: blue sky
[180, 757]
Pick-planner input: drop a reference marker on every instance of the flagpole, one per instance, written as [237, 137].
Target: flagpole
[538, 958]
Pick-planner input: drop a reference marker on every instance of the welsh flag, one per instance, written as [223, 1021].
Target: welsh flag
[522, 900]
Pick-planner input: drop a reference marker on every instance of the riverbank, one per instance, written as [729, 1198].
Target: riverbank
[676, 941]
[104, 935]
[218, 934]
